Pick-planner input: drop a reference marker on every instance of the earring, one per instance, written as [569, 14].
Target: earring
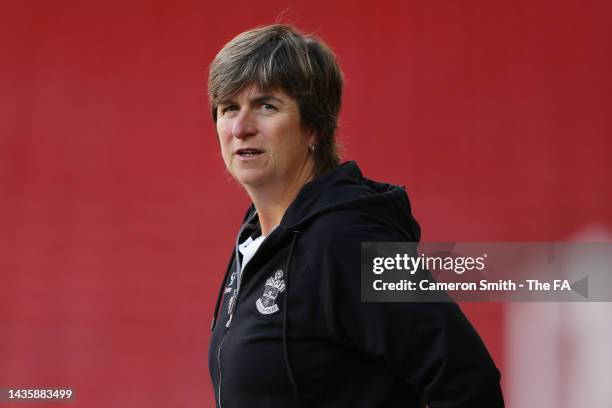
[311, 149]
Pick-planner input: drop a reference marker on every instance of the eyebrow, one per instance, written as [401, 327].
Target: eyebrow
[253, 101]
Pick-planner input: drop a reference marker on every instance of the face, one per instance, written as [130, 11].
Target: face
[262, 140]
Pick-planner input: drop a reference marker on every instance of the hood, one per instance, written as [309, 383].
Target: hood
[345, 188]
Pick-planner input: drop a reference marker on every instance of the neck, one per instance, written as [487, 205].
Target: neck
[271, 201]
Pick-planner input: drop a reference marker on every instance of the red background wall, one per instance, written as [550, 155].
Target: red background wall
[116, 214]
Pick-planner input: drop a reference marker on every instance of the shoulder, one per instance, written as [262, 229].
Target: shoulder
[332, 245]
[348, 228]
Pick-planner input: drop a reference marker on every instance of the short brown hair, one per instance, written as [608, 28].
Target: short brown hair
[278, 56]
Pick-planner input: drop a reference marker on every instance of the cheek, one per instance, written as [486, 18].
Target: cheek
[290, 140]
[225, 139]
[296, 146]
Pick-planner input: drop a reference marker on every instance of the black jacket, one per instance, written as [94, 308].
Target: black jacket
[300, 335]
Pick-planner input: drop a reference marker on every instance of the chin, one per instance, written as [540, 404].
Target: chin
[249, 178]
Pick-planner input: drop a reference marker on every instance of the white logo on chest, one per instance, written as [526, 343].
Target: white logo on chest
[275, 285]
[228, 288]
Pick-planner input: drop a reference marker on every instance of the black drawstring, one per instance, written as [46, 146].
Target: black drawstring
[221, 291]
[296, 234]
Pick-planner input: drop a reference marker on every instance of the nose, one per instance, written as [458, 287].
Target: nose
[243, 126]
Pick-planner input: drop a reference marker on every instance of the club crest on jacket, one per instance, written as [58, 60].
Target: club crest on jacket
[275, 285]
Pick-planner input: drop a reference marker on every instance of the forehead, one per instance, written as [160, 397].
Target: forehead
[253, 92]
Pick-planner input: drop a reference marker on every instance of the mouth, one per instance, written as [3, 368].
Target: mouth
[248, 152]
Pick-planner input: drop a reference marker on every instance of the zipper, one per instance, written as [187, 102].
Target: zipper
[228, 325]
[219, 362]
[232, 303]
[233, 307]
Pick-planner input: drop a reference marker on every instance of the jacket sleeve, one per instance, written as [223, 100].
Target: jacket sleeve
[430, 347]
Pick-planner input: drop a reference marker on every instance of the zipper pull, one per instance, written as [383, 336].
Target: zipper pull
[230, 307]
[232, 302]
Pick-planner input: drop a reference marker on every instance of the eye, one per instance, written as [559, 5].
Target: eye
[268, 107]
[228, 108]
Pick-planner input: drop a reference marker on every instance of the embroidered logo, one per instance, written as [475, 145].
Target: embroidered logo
[231, 282]
[275, 285]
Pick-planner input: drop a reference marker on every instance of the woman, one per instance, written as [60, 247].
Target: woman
[289, 328]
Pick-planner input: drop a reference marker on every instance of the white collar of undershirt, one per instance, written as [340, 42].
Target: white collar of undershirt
[248, 249]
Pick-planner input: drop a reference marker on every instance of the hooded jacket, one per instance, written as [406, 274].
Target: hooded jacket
[291, 330]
